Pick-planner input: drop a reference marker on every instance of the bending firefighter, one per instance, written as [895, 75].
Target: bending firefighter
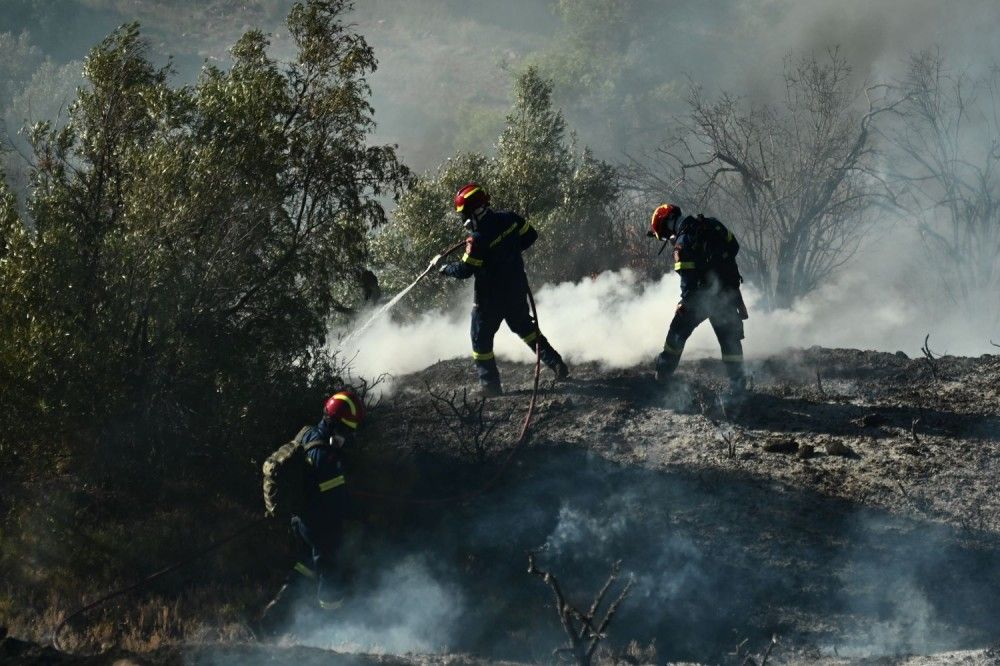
[493, 255]
[304, 482]
[705, 258]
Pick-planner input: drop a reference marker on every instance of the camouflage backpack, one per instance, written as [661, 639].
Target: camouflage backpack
[285, 479]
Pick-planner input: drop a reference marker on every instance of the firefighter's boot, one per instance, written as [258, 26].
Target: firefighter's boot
[666, 364]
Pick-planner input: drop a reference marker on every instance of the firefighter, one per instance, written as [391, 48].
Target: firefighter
[493, 255]
[318, 530]
[705, 259]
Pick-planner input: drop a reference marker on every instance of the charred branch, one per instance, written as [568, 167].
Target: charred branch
[467, 421]
[583, 629]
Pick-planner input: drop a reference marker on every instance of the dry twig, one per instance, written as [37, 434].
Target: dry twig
[929, 356]
[467, 421]
[585, 632]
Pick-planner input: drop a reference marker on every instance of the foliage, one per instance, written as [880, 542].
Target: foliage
[948, 163]
[794, 180]
[177, 279]
[566, 193]
[606, 60]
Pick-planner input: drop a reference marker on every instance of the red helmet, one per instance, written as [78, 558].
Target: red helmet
[664, 221]
[345, 407]
[469, 199]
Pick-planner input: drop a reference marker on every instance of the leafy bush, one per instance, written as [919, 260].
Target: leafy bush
[185, 248]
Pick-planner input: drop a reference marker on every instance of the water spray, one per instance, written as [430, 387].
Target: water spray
[397, 298]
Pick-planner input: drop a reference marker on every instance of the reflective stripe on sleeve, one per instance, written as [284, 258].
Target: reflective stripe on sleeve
[732, 358]
[483, 356]
[525, 228]
[499, 239]
[667, 349]
[530, 337]
[683, 265]
[472, 261]
[330, 484]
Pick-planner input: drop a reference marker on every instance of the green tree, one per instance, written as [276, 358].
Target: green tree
[187, 244]
[538, 172]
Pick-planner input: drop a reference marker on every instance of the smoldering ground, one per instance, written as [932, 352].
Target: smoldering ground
[715, 558]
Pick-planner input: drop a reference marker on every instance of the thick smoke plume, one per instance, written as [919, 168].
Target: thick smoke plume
[619, 320]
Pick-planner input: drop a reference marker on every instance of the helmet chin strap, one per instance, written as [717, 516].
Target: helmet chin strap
[472, 223]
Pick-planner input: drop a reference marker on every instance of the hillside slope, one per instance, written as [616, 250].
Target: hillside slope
[847, 506]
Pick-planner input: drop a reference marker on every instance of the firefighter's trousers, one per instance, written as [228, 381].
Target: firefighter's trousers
[719, 307]
[486, 319]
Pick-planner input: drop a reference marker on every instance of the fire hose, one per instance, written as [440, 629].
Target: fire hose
[247, 527]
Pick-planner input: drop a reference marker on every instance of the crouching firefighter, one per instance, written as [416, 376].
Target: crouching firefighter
[705, 259]
[493, 255]
[304, 483]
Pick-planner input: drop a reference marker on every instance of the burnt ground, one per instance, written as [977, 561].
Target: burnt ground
[848, 506]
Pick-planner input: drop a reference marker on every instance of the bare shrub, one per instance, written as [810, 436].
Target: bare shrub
[583, 628]
[468, 422]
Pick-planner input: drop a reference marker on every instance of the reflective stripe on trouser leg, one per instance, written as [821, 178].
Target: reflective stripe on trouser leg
[485, 322]
[732, 358]
[303, 569]
[549, 356]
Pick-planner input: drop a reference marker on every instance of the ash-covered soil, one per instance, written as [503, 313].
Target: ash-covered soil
[881, 430]
[847, 506]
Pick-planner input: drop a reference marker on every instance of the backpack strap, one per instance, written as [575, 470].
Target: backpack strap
[311, 445]
[302, 433]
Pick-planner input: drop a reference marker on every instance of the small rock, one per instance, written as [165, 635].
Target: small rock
[781, 446]
[835, 448]
[901, 355]
[806, 451]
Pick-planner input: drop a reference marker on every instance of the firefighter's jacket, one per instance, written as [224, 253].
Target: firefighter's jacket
[493, 256]
[705, 256]
[326, 489]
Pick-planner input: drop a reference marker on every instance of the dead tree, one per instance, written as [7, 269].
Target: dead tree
[584, 630]
[947, 164]
[794, 179]
[468, 422]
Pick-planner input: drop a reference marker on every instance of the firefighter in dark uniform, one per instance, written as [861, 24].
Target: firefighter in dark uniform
[318, 531]
[705, 258]
[493, 255]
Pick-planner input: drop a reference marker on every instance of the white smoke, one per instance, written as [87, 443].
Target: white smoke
[618, 320]
[408, 610]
